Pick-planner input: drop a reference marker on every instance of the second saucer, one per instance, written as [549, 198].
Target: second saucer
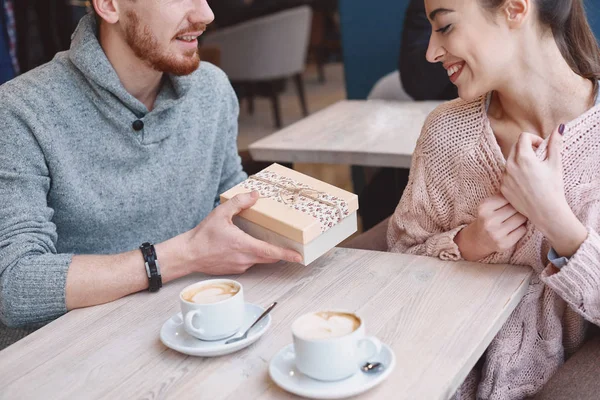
[284, 373]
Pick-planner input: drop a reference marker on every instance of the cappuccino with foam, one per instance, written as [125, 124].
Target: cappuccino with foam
[214, 309]
[331, 345]
[212, 292]
[325, 325]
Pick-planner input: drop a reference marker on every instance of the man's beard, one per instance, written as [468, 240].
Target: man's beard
[145, 46]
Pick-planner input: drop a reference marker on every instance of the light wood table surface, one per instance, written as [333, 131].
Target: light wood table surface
[437, 316]
[372, 133]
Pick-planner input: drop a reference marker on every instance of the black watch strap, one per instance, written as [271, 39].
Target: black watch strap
[152, 267]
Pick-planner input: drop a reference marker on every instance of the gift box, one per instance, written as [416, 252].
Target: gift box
[296, 211]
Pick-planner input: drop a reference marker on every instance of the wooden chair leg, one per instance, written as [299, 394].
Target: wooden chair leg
[317, 42]
[275, 104]
[321, 65]
[301, 94]
[321, 72]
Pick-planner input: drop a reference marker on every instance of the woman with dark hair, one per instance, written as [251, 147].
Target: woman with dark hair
[508, 173]
[420, 79]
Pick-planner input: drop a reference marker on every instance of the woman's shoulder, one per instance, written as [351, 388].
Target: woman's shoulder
[582, 138]
[588, 121]
[582, 141]
[454, 125]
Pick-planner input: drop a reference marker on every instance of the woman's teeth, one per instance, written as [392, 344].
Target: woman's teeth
[454, 69]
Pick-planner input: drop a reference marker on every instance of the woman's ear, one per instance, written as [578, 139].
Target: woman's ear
[516, 12]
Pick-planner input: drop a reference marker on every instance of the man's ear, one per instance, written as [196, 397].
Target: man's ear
[108, 10]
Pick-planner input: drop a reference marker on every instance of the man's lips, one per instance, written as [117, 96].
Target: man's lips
[193, 33]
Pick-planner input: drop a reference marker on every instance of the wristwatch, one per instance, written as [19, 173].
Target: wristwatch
[152, 267]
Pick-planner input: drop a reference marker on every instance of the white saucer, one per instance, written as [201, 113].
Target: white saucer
[174, 336]
[284, 373]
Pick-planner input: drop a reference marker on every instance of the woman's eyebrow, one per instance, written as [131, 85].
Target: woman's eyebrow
[437, 11]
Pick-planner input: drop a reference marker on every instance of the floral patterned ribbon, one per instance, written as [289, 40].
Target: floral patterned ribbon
[328, 210]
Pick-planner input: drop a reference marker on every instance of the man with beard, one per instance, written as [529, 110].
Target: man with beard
[124, 139]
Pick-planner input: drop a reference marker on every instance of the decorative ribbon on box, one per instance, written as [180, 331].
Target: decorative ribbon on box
[325, 208]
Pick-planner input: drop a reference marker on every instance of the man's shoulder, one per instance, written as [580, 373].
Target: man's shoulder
[41, 85]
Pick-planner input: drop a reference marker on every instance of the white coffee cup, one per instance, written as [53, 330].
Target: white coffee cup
[213, 309]
[338, 356]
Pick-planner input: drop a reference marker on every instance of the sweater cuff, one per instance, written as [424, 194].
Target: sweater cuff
[37, 292]
[578, 282]
[444, 246]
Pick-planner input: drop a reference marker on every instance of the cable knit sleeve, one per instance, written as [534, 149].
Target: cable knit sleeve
[578, 282]
[33, 274]
[417, 225]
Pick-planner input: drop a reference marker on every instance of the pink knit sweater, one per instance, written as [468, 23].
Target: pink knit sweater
[457, 164]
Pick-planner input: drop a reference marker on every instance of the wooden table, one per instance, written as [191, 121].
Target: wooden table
[438, 316]
[365, 133]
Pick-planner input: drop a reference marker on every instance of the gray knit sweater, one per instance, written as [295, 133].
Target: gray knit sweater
[76, 177]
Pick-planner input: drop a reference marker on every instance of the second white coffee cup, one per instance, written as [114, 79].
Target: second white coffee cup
[213, 309]
[336, 355]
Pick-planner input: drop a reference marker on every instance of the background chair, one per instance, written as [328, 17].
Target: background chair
[380, 189]
[579, 378]
[261, 54]
[389, 88]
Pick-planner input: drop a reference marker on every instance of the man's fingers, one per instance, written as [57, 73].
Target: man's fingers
[262, 260]
[268, 251]
[239, 203]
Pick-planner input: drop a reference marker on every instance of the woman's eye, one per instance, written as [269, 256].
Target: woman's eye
[444, 29]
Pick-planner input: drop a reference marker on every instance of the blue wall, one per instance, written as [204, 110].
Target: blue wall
[593, 13]
[371, 32]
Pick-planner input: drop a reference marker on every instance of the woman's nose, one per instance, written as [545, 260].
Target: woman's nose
[435, 51]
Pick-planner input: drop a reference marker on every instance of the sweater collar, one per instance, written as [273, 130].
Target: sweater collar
[88, 56]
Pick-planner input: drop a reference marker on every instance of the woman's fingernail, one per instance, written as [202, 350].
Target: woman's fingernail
[561, 129]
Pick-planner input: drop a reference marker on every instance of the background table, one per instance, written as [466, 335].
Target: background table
[438, 317]
[366, 133]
